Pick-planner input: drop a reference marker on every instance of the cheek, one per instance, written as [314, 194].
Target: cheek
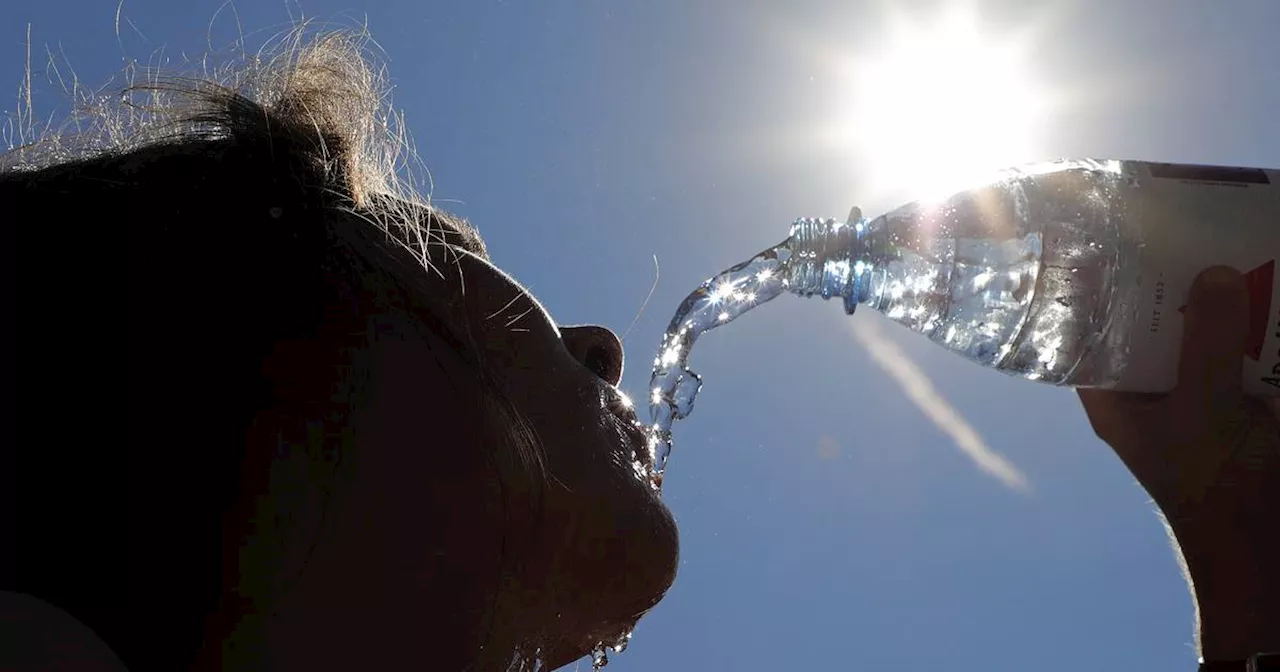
[422, 530]
[438, 462]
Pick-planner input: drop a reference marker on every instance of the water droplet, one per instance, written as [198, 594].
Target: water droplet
[599, 657]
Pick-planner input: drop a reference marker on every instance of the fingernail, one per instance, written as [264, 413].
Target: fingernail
[1218, 295]
[1219, 281]
[1221, 277]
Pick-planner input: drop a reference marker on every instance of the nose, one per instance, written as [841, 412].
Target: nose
[597, 349]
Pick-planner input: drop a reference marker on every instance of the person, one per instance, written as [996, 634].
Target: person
[1209, 457]
[276, 411]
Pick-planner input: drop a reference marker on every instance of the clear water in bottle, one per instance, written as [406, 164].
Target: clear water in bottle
[1020, 275]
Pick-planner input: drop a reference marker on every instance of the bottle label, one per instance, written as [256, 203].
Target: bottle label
[1190, 218]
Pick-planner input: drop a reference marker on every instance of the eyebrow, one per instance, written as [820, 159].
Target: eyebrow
[420, 226]
[460, 233]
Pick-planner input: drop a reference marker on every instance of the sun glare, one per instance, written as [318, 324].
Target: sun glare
[941, 105]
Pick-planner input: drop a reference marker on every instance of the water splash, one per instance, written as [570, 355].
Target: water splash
[599, 657]
[718, 301]
[600, 654]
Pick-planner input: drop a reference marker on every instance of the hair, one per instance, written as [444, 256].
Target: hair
[310, 114]
[320, 94]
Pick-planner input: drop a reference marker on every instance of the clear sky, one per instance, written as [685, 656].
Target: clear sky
[827, 521]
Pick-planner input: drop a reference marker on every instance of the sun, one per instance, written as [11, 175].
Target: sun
[942, 104]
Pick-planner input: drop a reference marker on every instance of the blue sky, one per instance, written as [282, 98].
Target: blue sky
[826, 521]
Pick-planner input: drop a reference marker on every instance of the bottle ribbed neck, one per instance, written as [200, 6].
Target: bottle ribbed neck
[822, 257]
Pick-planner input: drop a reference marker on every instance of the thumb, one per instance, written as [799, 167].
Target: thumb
[1217, 323]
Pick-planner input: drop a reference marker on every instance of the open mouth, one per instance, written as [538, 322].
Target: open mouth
[621, 407]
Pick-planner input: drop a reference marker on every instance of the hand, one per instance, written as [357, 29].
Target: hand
[1210, 458]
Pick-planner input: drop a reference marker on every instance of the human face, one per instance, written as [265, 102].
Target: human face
[613, 553]
[502, 495]
[337, 456]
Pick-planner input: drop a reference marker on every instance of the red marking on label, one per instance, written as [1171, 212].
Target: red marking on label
[1260, 282]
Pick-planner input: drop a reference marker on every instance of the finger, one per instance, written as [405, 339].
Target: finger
[1100, 411]
[1213, 340]
[1118, 419]
[1107, 408]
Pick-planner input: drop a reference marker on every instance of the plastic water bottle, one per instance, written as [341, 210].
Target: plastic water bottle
[1071, 272]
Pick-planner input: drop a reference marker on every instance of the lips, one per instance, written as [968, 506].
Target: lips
[625, 413]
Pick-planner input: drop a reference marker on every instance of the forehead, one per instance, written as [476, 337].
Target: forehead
[192, 181]
[190, 211]
[258, 236]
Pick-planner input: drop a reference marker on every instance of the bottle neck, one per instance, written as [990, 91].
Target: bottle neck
[826, 259]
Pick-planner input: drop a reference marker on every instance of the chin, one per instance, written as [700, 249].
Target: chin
[621, 561]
